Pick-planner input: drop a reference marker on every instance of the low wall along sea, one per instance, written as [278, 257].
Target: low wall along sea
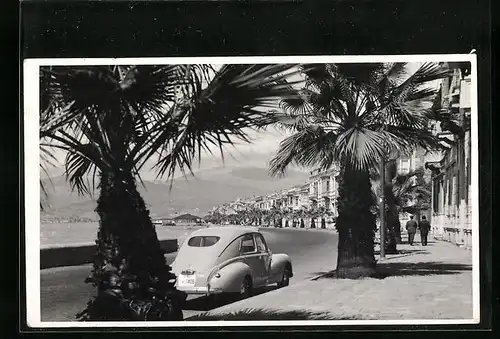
[71, 244]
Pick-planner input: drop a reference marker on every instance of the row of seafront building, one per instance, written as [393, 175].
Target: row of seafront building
[321, 190]
[449, 171]
[452, 202]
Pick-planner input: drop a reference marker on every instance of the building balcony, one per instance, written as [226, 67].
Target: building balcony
[328, 194]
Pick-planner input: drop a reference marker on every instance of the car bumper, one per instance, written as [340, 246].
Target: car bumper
[199, 290]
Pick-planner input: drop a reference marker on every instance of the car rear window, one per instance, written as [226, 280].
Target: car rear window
[247, 244]
[203, 241]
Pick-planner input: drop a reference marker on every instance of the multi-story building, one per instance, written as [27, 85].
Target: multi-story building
[320, 190]
[411, 162]
[303, 192]
[323, 188]
[451, 175]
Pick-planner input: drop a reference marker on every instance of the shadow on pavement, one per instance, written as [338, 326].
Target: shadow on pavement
[415, 243]
[401, 269]
[398, 269]
[402, 253]
[207, 303]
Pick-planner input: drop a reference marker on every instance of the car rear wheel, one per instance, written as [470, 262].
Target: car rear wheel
[285, 278]
[246, 288]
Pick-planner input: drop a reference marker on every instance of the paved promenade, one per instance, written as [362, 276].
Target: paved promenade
[432, 282]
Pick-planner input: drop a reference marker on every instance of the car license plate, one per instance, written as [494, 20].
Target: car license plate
[187, 280]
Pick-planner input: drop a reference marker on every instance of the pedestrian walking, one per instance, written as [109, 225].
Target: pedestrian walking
[424, 225]
[411, 227]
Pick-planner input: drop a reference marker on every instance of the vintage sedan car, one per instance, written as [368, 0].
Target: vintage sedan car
[228, 259]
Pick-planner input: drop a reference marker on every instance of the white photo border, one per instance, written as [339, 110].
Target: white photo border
[32, 186]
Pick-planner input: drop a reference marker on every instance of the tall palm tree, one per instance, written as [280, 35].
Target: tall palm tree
[351, 114]
[111, 120]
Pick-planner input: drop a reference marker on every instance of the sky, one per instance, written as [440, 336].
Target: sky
[256, 154]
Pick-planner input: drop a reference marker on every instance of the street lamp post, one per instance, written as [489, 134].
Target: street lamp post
[382, 208]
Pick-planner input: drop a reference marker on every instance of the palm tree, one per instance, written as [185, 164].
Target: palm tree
[351, 114]
[278, 215]
[268, 217]
[253, 214]
[323, 212]
[412, 193]
[401, 191]
[289, 217]
[313, 213]
[301, 214]
[111, 120]
[241, 217]
[273, 215]
[393, 228]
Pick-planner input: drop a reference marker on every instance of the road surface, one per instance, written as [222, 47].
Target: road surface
[64, 293]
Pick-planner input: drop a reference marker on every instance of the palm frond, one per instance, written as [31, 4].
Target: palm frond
[81, 171]
[360, 74]
[47, 159]
[390, 75]
[239, 98]
[317, 75]
[362, 148]
[310, 146]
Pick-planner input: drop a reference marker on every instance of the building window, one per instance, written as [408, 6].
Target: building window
[404, 165]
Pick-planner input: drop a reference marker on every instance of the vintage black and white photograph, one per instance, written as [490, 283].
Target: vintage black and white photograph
[264, 191]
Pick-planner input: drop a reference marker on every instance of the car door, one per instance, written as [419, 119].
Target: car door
[264, 257]
[248, 251]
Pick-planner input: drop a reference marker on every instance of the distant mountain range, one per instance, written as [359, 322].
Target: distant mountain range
[196, 195]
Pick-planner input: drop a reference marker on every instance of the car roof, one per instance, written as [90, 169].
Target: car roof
[226, 233]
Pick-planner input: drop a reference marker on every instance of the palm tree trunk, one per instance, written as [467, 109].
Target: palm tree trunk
[132, 278]
[356, 225]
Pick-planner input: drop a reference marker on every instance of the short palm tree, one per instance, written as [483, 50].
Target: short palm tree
[301, 214]
[351, 115]
[405, 193]
[323, 213]
[288, 217]
[393, 227]
[412, 193]
[313, 212]
[111, 120]
[274, 215]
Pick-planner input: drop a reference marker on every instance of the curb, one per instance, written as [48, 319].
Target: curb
[304, 229]
[59, 256]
